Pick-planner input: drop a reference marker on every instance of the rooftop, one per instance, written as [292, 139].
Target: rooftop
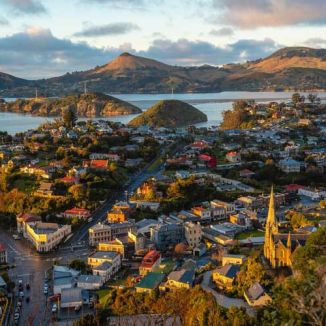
[151, 281]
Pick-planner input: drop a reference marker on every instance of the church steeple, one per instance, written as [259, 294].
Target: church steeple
[289, 241]
[271, 217]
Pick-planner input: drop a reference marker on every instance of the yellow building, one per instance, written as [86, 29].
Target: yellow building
[119, 212]
[182, 279]
[114, 245]
[279, 247]
[233, 259]
[225, 276]
[46, 236]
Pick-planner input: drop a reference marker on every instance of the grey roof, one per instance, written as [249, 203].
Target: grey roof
[104, 255]
[71, 295]
[103, 267]
[182, 276]
[229, 270]
[255, 291]
[89, 279]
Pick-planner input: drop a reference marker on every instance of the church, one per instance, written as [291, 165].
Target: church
[280, 247]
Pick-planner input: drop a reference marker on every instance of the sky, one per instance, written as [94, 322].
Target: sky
[47, 38]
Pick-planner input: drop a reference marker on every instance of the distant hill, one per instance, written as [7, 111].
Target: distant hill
[293, 68]
[9, 81]
[169, 113]
[85, 105]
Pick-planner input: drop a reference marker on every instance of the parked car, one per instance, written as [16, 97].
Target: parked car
[27, 299]
[28, 287]
[77, 308]
[54, 308]
[21, 294]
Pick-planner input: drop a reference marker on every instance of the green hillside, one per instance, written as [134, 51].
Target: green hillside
[169, 113]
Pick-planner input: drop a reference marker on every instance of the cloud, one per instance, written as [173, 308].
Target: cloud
[30, 7]
[316, 42]
[224, 31]
[186, 52]
[3, 21]
[37, 53]
[108, 29]
[257, 13]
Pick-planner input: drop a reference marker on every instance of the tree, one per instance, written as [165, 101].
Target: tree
[69, 118]
[252, 271]
[300, 299]
[312, 98]
[80, 265]
[296, 98]
[297, 220]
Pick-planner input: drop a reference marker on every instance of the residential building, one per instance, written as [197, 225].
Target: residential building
[312, 193]
[80, 213]
[224, 276]
[89, 282]
[193, 234]
[119, 212]
[233, 157]
[289, 165]
[100, 257]
[71, 298]
[228, 207]
[23, 218]
[233, 259]
[63, 278]
[108, 232]
[115, 245]
[166, 236]
[181, 279]
[46, 236]
[256, 296]
[104, 270]
[45, 189]
[150, 282]
[150, 262]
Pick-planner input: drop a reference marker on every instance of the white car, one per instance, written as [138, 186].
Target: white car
[54, 308]
[21, 294]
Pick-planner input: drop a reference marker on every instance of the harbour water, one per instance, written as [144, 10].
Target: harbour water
[212, 104]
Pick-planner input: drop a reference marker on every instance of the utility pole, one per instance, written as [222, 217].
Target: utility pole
[85, 87]
[172, 92]
[36, 93]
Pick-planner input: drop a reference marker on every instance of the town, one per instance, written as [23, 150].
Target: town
[112, 224]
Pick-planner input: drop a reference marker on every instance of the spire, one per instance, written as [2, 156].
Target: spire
[289, 242]
[271, 217]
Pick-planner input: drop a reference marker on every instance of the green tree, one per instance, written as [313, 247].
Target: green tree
[69, 118]
[296, 98]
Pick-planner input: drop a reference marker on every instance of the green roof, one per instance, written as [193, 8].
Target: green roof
[151, 281]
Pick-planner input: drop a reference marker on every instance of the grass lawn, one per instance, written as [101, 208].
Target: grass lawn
[155, 164]
[245, 235]
[24, 183]
[104, 295]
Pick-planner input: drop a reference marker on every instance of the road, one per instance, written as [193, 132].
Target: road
[222, 299]
[101, 213]
[30, 267]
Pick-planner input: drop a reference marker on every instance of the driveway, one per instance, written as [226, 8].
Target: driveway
[222, 299]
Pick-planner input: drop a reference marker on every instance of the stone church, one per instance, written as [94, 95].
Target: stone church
[280, 247]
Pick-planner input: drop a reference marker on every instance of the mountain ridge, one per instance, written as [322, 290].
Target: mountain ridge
[286, 69]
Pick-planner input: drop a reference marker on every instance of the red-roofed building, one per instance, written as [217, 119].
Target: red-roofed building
[233, 157]
[293, 188]
[24, 218]
[151, 261]
[199, 144]
[80, 213]
[210, 160]
[69, 180]
[99, 164]
[3, 254]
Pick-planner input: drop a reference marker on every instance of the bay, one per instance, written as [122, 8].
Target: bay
[212, 104]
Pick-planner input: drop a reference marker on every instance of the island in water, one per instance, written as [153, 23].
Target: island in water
[169, 114]
[85, 105]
